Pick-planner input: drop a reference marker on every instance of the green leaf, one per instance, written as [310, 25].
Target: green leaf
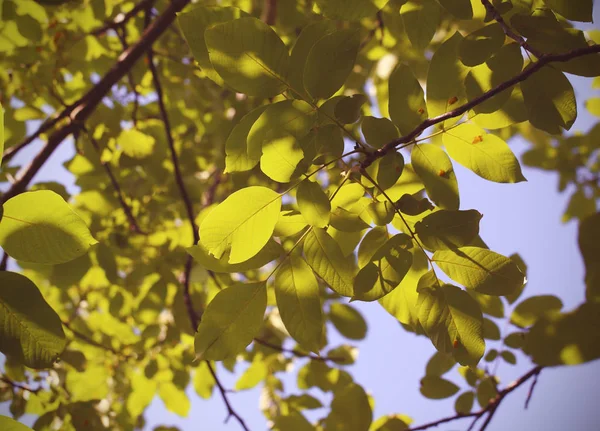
[297, 294]
[550, 100]
[589, 231]
[238, 158]
[420, 21]
[509, 357]
[385, 171]
[480, 45]
[565, 339]
[30, 330]
[305, 41]
[135, 143]
[329, 63]
[445, 80]
[194, 23]
[580, 10]
[514, 340]
[392, 422]
[485, 154]
[242, 223]
[280, 120]
[382, 213]
[461, 9]
[8, 424]
[439, 364]
[349, 109]
[435, 169]
[491, 305]
[325, 257]
[249, 56]
[486, 391]
[313, 203]
[406, 100]
[378, 131]
[447, 229]
[348, 321]
[280, 158]
[351, 10]
[490, 330]
[437, 388]
[350, 409]
[292, 421]
[464, 403]
[290, 223]
[40, 227]
[481, 270]
[231, 321]
[453, 322]
[372, 241]
[174, 398]
[531, 309]
[271, 251]
[203, 381]
[347, 221]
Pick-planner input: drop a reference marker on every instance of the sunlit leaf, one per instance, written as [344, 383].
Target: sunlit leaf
[435, 169]
[313, 203]
[406, 100]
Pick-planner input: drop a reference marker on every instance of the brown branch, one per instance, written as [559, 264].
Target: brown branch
[526, 73]
[531, 388]
[85, 106]
[122, 18]
[16, 385]
[269, 13]
[4, 261]
[297, 353]
[490, 409]
[133, 224]
[493, 12]
[194, 319]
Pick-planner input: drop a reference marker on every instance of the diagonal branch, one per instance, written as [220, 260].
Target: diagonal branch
[122, 18]
[531, 69]
[85, 106]
[15, 385]
[493, 12]
[490, 409]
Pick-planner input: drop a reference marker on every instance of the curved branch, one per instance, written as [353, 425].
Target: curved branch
[490, 409]
[85, 106]
[531, 69]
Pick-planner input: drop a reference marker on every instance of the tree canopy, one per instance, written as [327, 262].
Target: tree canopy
[248, 169]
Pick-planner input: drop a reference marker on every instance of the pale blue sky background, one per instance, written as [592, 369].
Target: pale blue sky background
[523, 218]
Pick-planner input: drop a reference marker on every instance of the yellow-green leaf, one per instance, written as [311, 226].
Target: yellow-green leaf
[271, 251]
[231, 321]
[446, 229]
[435, 169]
[290, 222]
[238, 158]
[480, 45]
[378, 131]
[297, 294]
[550, 100]
[242, 223]
[485, 154]
[453, 322]
[325, 257]
[406, 100]
[30, 330]
[526, 313]
[249, 56]
[175, 399]
[348, 321]
[194, 23]
[445, 80]
[437, 388]
[203, 381]
[481, 270]
[329, 63]
[280, 156]
[350, 410]
[313, 203]
[135, 143]
[9, 424]
[40, 227]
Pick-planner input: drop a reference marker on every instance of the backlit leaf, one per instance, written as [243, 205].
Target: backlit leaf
[9, 424]
[481, 270]
[435, 169]
[271, 251]
[231, 321]
[238, 158]
[406, 100]
[350, 409]
[446, 229]
[420, 21]
[378, 131]
[242, 223]
[453, 322]
[313, 203]
[249, 56]
[480, 45]
[135, 143]
[280, 157]
[329, 63]
[30, 330]
[349, 109]
[464, 403]
[297, 293]
[40, 227]
[348, 321]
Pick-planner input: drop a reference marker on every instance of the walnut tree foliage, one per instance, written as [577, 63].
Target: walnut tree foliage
[247, 169]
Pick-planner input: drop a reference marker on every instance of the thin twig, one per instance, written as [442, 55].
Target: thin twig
[297, 353]
[122, 18]
[133, 224]
[526, 73]
[509, 31]
[230, 411]
[85, 106]
[531, 388]
[490, 409]
[16, 385]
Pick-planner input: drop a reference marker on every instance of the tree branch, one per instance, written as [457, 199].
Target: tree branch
[490, 409]
[85, 106]
[230, 411]
[493, 12]
[297, 353]
[122, 18]
[526, 73]
[16, 385]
